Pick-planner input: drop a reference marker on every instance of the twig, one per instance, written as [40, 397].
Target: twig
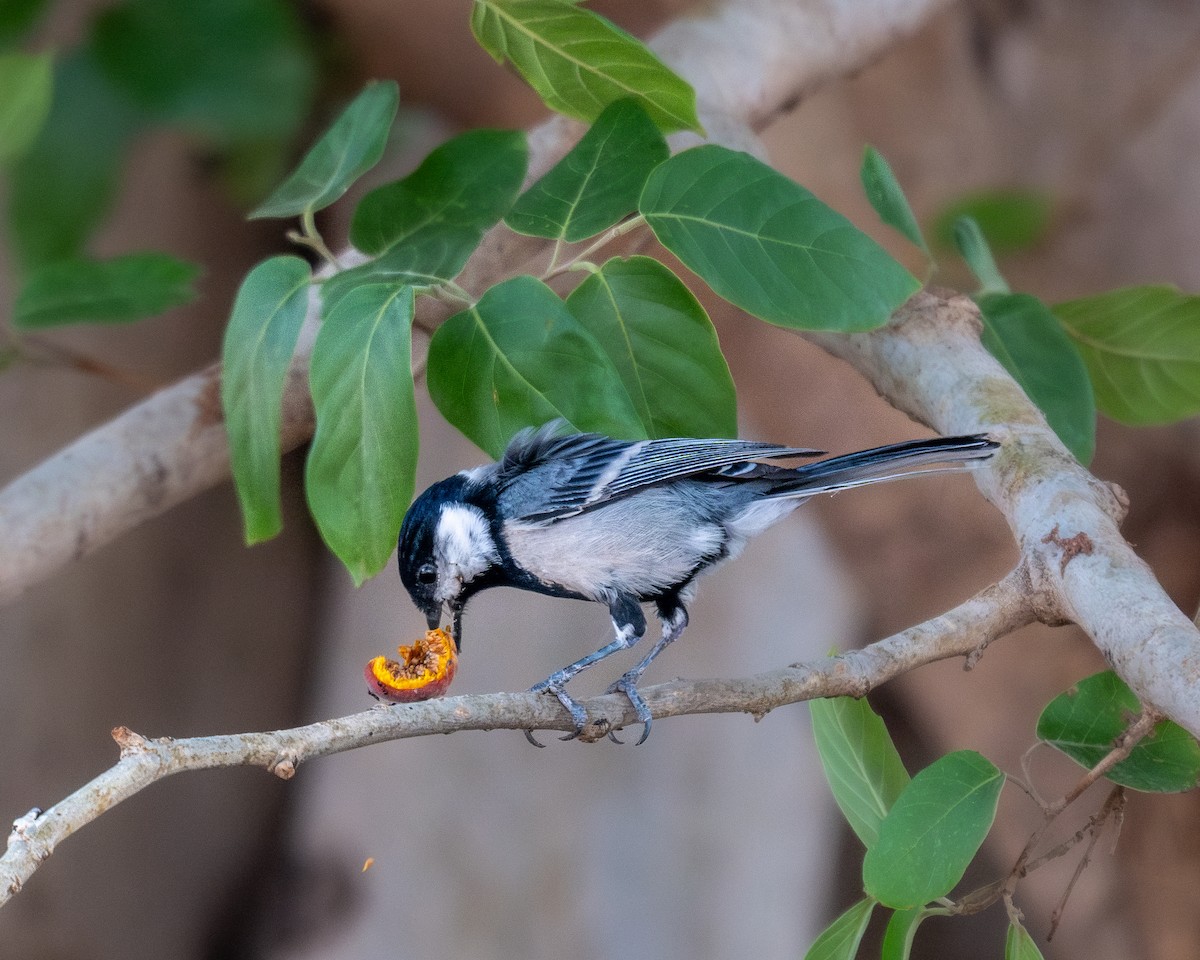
[993, 612]
[1114, 802]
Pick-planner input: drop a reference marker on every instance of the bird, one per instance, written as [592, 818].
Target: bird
[623, 523]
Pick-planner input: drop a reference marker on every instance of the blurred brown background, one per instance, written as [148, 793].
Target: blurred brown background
[716, 838]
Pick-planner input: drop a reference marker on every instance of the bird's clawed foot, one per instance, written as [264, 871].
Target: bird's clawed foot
[627, 686]
[573, 707]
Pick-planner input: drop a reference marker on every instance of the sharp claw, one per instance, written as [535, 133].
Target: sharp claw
[612, 735]
[627, 685]
[578, 714]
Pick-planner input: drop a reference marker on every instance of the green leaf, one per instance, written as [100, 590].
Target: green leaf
[518, 358]
[663, 346]
[901, 929]
[769, 246]
[887, 197]
[1021, 332]
[119, 290]
[860, 761]
[1011, 220]
[347, 150]
[63, 186]
[259, 342]
[1019, 945]
[1141, 346]
[578, 62]
[975, 250]
[933, 831]
[441, 210]
[840, 940]
[17, 17]
[598, 182]
[1085, 722]
[232, 70]
[362, 464]
[26, 85]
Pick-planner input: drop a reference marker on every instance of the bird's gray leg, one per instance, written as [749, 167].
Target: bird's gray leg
[674, 620]
[630, 624]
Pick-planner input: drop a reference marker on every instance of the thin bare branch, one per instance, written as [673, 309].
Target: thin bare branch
[993, 612]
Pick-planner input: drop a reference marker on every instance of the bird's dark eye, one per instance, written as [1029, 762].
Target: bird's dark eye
[427, 574]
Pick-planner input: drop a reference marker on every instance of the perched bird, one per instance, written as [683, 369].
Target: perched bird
[622, 523]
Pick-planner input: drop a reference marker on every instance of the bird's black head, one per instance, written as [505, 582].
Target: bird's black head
[445, 547]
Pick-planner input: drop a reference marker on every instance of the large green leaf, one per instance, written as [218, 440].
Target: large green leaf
[1142, 349]
[63, 186]
[1084, 723]
[598, 182]
[26, 83]
[900, 932]
[840, 940]
[442, 208]
[518, 358]
[118, 290]
[860, 761]
[663, 346]
[769, 246]
[347, 150]
[887, 197]
[234, 70]
[259, 342]
[933, 831]
[1019, 945]
[578, 62]
[362, 464]
[1021, 332]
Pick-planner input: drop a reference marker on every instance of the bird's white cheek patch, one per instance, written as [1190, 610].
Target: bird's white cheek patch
[463, 543]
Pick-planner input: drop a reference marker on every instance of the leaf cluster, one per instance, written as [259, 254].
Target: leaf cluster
[922, 833]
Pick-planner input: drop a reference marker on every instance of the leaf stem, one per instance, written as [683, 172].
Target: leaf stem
[580, 261]
[311, 237]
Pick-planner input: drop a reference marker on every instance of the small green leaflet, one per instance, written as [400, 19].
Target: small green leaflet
[259, 342]
[460, 190]
[347, 150]
[933, 831]
[840, 940]
[361, 467]
[975, 250]
[63, 185]
[1085, 722]
[1021, 332]
[1019, 945]
[663, 346]
[767, 245]
[598, 182]
[1011, 220]
[887, 197]
[578, 62]
[860, 761]
[26, 85]
[1142, 349]
[119, 290]
[518, 358]
[900, 932]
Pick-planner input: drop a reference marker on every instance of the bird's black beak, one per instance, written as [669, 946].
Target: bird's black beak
[433, 616]
[456, 625]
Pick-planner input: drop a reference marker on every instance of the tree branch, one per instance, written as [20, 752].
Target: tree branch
[998, 610]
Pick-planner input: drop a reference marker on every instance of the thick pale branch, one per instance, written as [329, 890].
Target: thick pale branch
[992, 613]
[928, 361]
[748, 59]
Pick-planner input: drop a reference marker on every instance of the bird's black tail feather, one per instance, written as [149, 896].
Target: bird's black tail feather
[884, 463]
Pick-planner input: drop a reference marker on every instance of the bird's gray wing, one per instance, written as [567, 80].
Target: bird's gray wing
[546, 477]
